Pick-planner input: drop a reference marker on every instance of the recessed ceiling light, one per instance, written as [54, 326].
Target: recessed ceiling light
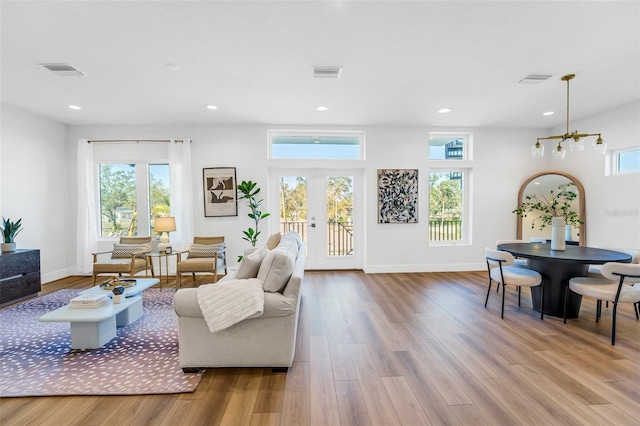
[172, 67]
[74, 107]
[443, 110]
[322, 108]
[212, 107]
[548, 113]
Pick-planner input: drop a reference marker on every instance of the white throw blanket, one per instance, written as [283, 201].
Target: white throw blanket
[229, 302]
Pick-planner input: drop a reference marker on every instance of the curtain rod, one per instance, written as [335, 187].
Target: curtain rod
[135, 140]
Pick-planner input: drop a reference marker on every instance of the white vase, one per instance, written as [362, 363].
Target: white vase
[557, 234]
[568, 233]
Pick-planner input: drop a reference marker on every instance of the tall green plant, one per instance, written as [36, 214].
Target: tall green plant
[248, 191]
[10, 229]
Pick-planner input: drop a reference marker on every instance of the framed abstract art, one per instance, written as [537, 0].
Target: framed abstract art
[397, 195]
[220, 196]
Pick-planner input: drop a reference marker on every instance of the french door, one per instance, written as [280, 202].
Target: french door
[324, 207]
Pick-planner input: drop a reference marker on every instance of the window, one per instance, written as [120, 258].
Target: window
[131, 196]
[626, 161]
[446, 205]
[449, 146]
[316, 145]
[449, 188]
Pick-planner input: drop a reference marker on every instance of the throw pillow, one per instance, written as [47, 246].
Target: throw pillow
[206, 250]
[124, 251]
[276, 269]
[273, 241]
[250, 264]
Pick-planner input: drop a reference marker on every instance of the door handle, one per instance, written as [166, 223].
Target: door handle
[313, 225]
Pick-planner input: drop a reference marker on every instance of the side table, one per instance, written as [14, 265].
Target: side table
[160, 255]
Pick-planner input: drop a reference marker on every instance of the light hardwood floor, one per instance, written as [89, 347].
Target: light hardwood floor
[398, 349]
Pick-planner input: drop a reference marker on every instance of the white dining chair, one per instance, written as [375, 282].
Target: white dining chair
[595, 271]
[621, 284]
[521, 263]
[538, 240]
[501, 270]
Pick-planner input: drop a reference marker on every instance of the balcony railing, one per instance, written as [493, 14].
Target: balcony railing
[339, 236]
[445, 230]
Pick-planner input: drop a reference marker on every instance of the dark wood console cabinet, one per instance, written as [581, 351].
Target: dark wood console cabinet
[19, 275]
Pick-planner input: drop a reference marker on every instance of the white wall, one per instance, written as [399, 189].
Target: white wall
[35, 187]
[613, 202]
[501, 162]
[245, 147]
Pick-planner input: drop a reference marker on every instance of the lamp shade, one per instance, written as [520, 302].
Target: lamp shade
[164, 224]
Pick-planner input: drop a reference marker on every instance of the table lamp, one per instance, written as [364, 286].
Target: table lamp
[164, 225]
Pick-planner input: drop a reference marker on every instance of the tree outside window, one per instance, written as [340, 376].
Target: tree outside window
[445, 205]
[119, 205]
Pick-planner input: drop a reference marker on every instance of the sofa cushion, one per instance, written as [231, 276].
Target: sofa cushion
[273, 241]
[124, 251]
[206, 250]
[250, 264]
[292, 235]
[277, 266]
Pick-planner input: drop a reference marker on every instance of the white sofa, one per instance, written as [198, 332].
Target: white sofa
[265, 341]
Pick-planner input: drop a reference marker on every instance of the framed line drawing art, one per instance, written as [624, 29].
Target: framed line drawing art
[397, 195]
[220, 196]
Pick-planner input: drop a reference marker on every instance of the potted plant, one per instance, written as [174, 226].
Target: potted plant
[554, 210]
[9, 231]
[248, 191]
[558, 204]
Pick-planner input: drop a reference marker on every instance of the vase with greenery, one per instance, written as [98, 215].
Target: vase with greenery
[558, 203]
[9, 231]
[248, 190]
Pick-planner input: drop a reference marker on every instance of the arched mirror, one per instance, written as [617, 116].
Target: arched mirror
[541, 184]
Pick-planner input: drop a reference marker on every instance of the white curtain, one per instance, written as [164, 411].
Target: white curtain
[86, 217]
[181, 192]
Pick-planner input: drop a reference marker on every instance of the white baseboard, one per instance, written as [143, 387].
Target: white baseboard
[57, 275]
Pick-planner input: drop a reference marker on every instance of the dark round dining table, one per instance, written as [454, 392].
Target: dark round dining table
[557, 268]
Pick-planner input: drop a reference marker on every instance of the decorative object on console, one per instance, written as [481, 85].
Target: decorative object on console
[9, 231]
[576, 139]
[219, 185]
[398, 196]
[249, 190]
[164, 225]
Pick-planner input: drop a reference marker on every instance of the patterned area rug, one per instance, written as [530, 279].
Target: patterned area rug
[36, 357]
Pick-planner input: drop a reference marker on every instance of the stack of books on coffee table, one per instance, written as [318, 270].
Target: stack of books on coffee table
[89, 301]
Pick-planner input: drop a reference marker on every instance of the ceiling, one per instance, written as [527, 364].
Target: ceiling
[401, 61]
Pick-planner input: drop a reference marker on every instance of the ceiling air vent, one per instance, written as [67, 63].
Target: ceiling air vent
[62, 69]
[534, 78]
[326, 72]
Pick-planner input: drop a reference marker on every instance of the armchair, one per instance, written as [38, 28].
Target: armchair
[127, 257]
[205, 255]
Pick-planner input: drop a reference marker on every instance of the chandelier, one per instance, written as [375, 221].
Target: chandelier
[576, 140]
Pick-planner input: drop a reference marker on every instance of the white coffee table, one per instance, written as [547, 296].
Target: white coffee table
[141, 284]
[94, 327]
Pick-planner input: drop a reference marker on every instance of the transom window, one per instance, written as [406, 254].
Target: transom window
[324, 145]
[449, 146]
[626, 161]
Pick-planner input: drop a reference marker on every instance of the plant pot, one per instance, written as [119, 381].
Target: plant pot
[7, 247]
[557, 234]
